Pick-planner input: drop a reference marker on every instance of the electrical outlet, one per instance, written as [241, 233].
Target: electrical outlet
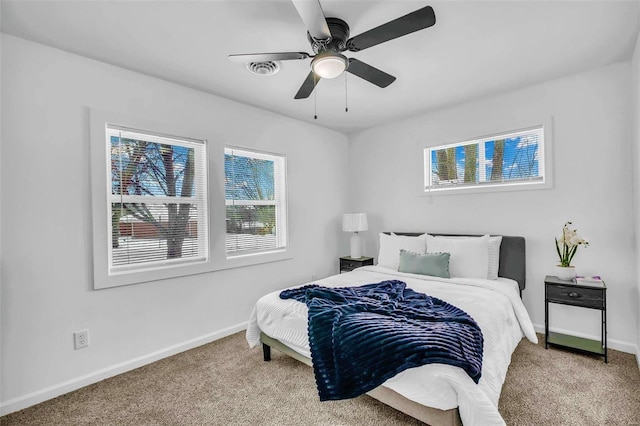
[81, 339]
[313, 276]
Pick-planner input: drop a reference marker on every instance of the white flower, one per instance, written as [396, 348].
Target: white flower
[575, 240]
[568, 233]
[567, 244]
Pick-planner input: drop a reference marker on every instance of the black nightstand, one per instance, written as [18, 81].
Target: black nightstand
[348, 264]
[585, 295]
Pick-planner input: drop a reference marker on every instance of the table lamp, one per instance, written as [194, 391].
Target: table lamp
[355, 222]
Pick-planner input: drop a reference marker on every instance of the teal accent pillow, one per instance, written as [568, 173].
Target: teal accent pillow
[433, 264]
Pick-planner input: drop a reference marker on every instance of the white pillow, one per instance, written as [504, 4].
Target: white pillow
[494, 257]
[469, 256]
[390, 246]
[494, 253]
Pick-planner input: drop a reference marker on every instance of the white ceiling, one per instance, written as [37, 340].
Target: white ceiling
[476, 48]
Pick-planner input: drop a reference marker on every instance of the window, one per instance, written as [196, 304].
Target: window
[515, 158]
[255, 198]
[157, 208]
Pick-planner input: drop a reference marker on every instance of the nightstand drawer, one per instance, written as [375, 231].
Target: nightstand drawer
[348, 264]
[586, 297]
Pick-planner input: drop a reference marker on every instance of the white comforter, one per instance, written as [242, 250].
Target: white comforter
[495, 305]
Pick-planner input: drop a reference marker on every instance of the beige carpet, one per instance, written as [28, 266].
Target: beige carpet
[225, 383]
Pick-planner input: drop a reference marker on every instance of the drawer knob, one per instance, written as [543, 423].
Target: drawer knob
[573, 294]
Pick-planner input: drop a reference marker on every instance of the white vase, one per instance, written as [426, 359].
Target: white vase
[566, 273]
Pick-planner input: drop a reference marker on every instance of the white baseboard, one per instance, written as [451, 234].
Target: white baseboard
[42, 395]
[37, 397]
[618, 345]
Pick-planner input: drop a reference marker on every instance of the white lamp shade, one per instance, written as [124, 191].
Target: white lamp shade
[354, 222]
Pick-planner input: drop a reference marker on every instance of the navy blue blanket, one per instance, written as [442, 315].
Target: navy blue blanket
[362, 336]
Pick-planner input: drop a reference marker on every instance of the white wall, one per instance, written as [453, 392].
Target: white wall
[46, 223]
[636, 169]
[592, 123]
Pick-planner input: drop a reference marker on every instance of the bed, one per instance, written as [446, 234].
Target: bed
[487, 276]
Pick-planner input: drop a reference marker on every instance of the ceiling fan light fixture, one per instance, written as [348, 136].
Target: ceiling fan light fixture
[329, 65]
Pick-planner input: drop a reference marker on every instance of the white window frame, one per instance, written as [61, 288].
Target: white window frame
[544, 181]
[199, 198]
[100, 162]
[279, 201]
[104, 276]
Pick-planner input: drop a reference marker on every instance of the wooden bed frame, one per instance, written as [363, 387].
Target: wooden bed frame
[512, 265]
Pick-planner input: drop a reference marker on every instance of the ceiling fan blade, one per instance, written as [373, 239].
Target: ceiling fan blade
[311, 13]
[414, 21]
[369, 73]
[307, 86]
[264, 57]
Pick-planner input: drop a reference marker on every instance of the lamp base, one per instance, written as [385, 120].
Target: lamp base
[356, 248]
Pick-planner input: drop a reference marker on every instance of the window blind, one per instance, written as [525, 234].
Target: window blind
[514, 158]
[255, 198]
[158, 200]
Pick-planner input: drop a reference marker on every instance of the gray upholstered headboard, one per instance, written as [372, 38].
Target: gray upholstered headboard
[512, 255]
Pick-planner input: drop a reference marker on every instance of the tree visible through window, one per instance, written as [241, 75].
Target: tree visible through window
[515, 158]
[158, 200]
[255, 202]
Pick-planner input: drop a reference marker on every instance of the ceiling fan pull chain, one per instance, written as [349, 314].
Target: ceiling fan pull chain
[346, 104]
[315, 98]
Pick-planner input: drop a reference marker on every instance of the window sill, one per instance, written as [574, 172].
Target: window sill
[103, 280]
[257, 258]
[483, 189]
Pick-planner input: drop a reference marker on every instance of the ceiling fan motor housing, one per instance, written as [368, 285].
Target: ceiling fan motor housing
[339, 36]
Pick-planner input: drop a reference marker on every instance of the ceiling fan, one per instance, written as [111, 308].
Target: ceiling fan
[329, 37]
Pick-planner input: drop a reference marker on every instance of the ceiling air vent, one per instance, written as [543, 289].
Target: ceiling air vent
[263, 68]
